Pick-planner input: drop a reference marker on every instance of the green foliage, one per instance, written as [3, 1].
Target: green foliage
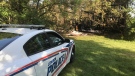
[106, 13]
[46, 12]
[130, 31]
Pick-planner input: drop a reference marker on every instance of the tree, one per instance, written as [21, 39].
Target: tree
[104, 15]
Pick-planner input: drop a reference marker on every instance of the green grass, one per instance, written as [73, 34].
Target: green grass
[100, 56]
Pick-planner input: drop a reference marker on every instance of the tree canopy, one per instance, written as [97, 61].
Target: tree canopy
[109, 15]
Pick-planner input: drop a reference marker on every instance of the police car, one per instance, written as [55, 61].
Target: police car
[33, 51]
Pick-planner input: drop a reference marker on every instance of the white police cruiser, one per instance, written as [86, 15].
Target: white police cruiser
[33, 51]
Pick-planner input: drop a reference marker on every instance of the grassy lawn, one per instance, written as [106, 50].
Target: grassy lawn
[100, 56]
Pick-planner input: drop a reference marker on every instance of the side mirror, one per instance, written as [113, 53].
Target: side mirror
[67, 40]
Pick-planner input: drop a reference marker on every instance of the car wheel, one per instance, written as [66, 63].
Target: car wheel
[72, 58]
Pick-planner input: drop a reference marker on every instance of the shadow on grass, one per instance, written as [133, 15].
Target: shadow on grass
[94, 59]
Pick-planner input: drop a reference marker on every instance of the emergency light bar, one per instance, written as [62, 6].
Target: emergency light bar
[22, 26]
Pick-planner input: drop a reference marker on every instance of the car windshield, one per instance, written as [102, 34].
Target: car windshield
[7, 38]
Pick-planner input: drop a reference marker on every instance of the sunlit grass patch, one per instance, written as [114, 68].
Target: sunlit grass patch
[100, 56]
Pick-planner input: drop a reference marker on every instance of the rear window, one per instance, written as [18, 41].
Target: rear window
[7, 38]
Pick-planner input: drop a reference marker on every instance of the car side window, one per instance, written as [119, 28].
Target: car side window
[55, 38]
[36, 44]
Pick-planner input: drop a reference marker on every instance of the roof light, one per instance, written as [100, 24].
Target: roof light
[39, 27]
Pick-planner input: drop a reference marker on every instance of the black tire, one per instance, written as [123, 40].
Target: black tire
[72, 58]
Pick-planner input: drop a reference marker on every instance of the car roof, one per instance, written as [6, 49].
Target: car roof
[21, 30]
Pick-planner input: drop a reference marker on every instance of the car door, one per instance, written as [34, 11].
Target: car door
[58, 46]
[46, 56]
[37, 49]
